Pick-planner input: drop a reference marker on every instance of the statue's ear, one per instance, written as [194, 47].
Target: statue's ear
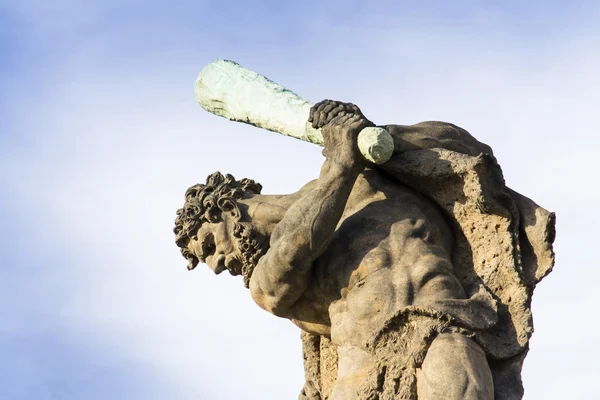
[229, 206]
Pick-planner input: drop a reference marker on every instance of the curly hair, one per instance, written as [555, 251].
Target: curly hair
[206, 204]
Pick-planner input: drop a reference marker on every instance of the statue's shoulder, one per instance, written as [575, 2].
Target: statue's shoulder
[436, 134]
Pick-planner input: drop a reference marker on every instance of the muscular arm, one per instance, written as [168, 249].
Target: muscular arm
[308, 226]
[299, 239]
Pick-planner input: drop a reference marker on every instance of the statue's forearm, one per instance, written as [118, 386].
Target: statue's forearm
[301, 237]
[311, 221]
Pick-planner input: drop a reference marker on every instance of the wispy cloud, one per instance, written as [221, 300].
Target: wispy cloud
[103, 143]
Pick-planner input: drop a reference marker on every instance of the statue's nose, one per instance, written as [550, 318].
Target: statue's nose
[216, 263]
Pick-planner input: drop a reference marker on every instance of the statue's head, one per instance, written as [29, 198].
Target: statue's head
[212, 228]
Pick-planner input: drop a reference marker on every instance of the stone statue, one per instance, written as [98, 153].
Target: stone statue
[410, 279]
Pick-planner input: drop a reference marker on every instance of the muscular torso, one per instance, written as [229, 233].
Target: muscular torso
[391, 249]
[357, 247]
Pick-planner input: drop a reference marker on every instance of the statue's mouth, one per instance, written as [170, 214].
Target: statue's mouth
[233, 265]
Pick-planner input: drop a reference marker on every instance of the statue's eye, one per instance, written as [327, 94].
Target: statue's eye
[208, 245]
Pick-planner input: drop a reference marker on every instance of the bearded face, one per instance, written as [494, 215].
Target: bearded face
[227, 245]
[209, 227]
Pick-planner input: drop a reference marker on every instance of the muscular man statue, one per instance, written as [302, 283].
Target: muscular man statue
[344, 257]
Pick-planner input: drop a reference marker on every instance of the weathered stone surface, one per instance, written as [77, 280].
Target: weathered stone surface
[411, 279]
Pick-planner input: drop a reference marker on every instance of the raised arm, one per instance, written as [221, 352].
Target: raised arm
[307, 228]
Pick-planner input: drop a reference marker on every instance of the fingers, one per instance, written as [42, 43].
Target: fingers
[330, 112]
[345, 119]
[354, 109]
[359, 122]
[351, 122]
[322, 113]
[340, 138]
[326, 111]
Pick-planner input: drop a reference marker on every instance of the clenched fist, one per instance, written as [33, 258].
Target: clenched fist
[340, 124]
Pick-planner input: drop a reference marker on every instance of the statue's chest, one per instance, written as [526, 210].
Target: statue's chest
[352, 258]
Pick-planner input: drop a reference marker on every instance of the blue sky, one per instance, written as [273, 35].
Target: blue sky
[100, 136]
